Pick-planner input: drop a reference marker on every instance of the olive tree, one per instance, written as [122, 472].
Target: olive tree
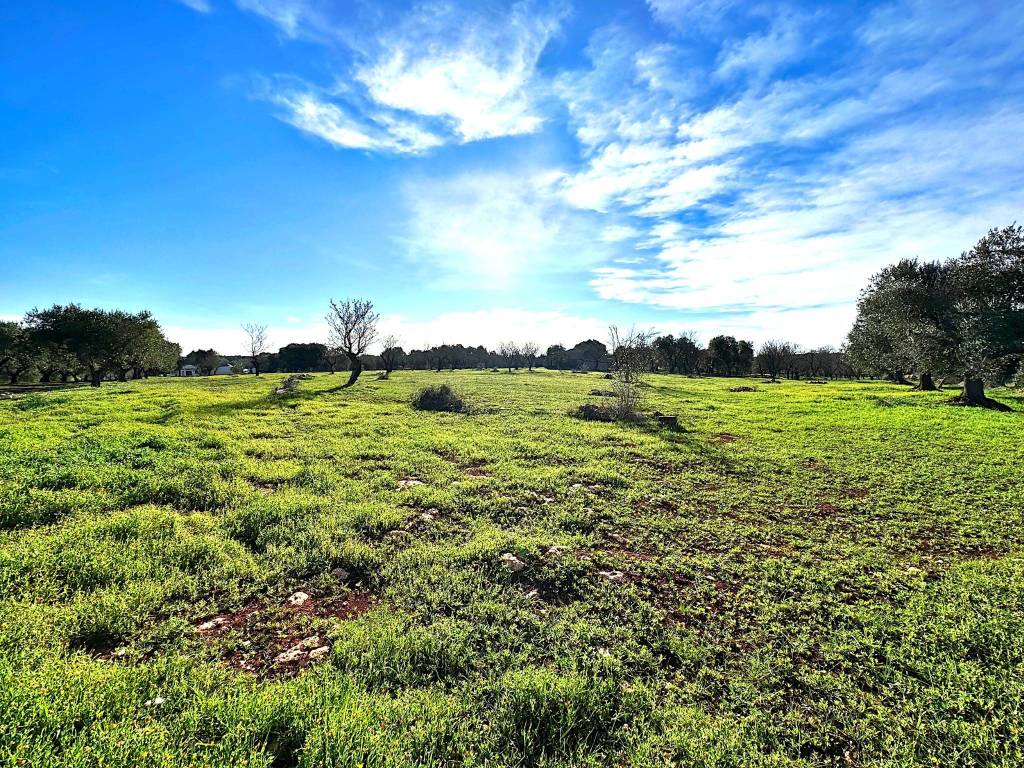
[391, 353]
[963, 317]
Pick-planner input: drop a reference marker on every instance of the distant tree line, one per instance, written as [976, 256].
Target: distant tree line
[69, 343]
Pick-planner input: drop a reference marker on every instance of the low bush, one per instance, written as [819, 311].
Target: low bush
[439, 398]
[594, 412]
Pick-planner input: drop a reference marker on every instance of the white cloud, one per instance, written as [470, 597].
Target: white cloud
[761, 54]
[434, 75]
[201, 6]
[473, 71]
[688, 13]
[778, 200]
[310, 112]
[618, 232]
[294, 18]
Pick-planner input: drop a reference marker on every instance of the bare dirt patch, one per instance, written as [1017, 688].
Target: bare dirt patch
[725, 437]
[279, 638]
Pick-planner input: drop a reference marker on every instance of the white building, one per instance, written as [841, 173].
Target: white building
[188, 370]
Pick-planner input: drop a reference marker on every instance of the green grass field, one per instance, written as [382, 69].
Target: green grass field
[805, 575]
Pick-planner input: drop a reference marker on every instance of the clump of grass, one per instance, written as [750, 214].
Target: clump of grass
[595, 412]
[439, 398]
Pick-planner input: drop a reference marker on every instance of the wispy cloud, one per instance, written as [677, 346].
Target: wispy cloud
[474, 72]
[438, 74]
[311, 111]
[780, 196]
[200, 6]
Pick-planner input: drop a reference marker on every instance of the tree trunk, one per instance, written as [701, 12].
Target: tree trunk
[356, 366]
[13, 376]
[898, 377]
[926, 384]
[974, 391]
[122, 375]
[95, 377]
[45, 376]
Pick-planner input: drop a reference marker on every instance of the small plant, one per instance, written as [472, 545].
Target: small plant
[291, 383]
[439, 398]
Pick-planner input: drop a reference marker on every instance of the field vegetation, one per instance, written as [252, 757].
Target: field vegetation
[233, 572]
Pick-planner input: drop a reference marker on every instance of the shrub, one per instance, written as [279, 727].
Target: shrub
[440, 398]
[593, 412]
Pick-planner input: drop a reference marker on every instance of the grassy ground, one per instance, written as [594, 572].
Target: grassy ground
[806, 575]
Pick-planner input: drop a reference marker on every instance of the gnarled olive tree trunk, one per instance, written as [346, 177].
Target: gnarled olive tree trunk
[926, 384]
[356, 368]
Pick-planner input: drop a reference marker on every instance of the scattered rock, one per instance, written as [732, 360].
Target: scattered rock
[409, 482]
[290, 656]
[299, 598]
[6, 396]
[557, 549]
[316, 653]
[511, 562]
[742, 389]
[155, 702]
[212, 624]
[340, 574]
[613, 576]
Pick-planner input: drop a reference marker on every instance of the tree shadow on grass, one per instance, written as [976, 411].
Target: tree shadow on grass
[270, 401]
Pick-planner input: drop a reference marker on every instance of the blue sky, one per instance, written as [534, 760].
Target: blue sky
[529, 170]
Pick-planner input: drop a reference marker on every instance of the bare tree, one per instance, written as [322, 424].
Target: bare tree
[353, 329]
[391, 351]
[510, 353]
[633, 358]
[775, 357]
[257, 344]
[530, 351]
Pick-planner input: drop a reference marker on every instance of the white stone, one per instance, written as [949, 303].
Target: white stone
[316, 653]
[292, 654]
[512, 562]
[299, 598]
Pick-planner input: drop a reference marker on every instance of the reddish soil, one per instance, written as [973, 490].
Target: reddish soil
[725, 437]
[253, 637]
